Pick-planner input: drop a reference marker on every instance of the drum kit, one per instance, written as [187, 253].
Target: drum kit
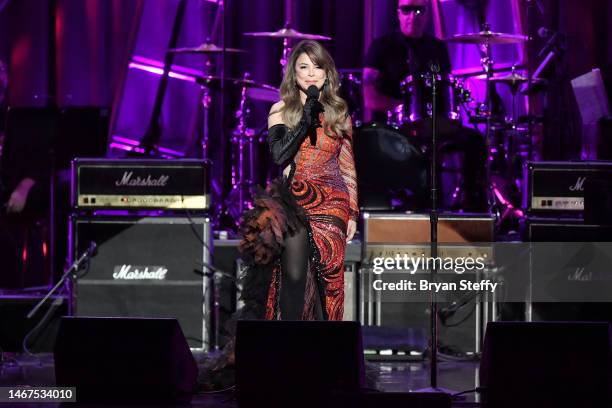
[453, 101]
[509, 144]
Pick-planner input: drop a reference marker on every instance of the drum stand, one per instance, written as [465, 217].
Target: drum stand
[487, 65]
[286, 48]
[243, 163]
[496, 202]
[512, 152]
[206, 102]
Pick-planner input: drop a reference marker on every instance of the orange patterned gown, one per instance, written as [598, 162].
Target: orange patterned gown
[322, 191]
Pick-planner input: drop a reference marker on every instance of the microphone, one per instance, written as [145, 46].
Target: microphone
[313, 93]
[544, 32]
[85, 255]
[434, 67]
[76, 265]
[554, 38]
[93, 249]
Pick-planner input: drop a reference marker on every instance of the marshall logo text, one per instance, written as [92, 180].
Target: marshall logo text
[139, 272]
[579, 186]
[129, 180]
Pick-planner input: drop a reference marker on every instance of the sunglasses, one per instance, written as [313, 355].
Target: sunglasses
[416, 10]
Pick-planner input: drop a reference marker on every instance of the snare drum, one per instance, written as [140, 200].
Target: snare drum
[418, 105]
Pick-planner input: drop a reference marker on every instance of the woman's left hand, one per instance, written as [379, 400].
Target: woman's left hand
[350, 230]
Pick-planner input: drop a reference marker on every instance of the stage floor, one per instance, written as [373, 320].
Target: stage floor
[402, 376]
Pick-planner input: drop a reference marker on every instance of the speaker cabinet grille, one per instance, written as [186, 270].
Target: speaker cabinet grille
[145, 267]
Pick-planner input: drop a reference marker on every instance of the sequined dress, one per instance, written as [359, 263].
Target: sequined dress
[320, 193]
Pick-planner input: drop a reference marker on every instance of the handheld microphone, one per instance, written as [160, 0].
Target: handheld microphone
[313, 93]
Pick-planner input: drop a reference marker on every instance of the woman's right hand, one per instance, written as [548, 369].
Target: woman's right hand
[309, 106]
[312, 109]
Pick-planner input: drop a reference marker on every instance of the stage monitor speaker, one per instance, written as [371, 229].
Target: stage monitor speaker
[145, 267]
[546, 364]
[125, 360]
[297, 359]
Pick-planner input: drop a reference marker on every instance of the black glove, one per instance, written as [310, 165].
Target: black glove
[315, 111]
[285, 143]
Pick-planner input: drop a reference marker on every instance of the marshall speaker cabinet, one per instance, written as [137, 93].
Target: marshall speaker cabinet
[581, 274]
[144, 267]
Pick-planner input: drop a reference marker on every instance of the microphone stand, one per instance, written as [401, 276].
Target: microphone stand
[76, 265]
[215, 274]
[433, 221]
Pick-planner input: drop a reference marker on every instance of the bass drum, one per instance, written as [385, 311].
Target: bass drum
[389, 165]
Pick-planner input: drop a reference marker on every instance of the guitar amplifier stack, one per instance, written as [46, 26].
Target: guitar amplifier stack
[567, 202]
[149, 221]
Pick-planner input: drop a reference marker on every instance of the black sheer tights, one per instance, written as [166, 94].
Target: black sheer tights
[294, 264]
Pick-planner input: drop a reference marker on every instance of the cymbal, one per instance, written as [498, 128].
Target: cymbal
[249, 83]
[514, 79]
[487, 37]
[288, 32]
[204, 48]
[263, 94]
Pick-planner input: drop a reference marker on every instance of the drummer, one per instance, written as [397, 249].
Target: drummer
[411, 51]
[392, 57]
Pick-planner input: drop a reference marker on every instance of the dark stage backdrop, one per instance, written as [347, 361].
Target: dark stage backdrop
[65, 52]
[75, 52]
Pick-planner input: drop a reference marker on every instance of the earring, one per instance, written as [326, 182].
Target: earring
[326, 83]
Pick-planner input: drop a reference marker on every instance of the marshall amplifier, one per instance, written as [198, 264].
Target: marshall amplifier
[181, 184]
[558, 187]
[144, 267]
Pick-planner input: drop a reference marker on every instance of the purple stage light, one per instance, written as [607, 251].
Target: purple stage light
[160, 71]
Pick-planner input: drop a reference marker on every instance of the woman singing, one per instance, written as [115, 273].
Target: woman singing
[294, 239]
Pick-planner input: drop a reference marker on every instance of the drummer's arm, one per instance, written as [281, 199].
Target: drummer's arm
[374, 99]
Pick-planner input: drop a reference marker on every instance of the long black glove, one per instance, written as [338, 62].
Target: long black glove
[285, 143]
